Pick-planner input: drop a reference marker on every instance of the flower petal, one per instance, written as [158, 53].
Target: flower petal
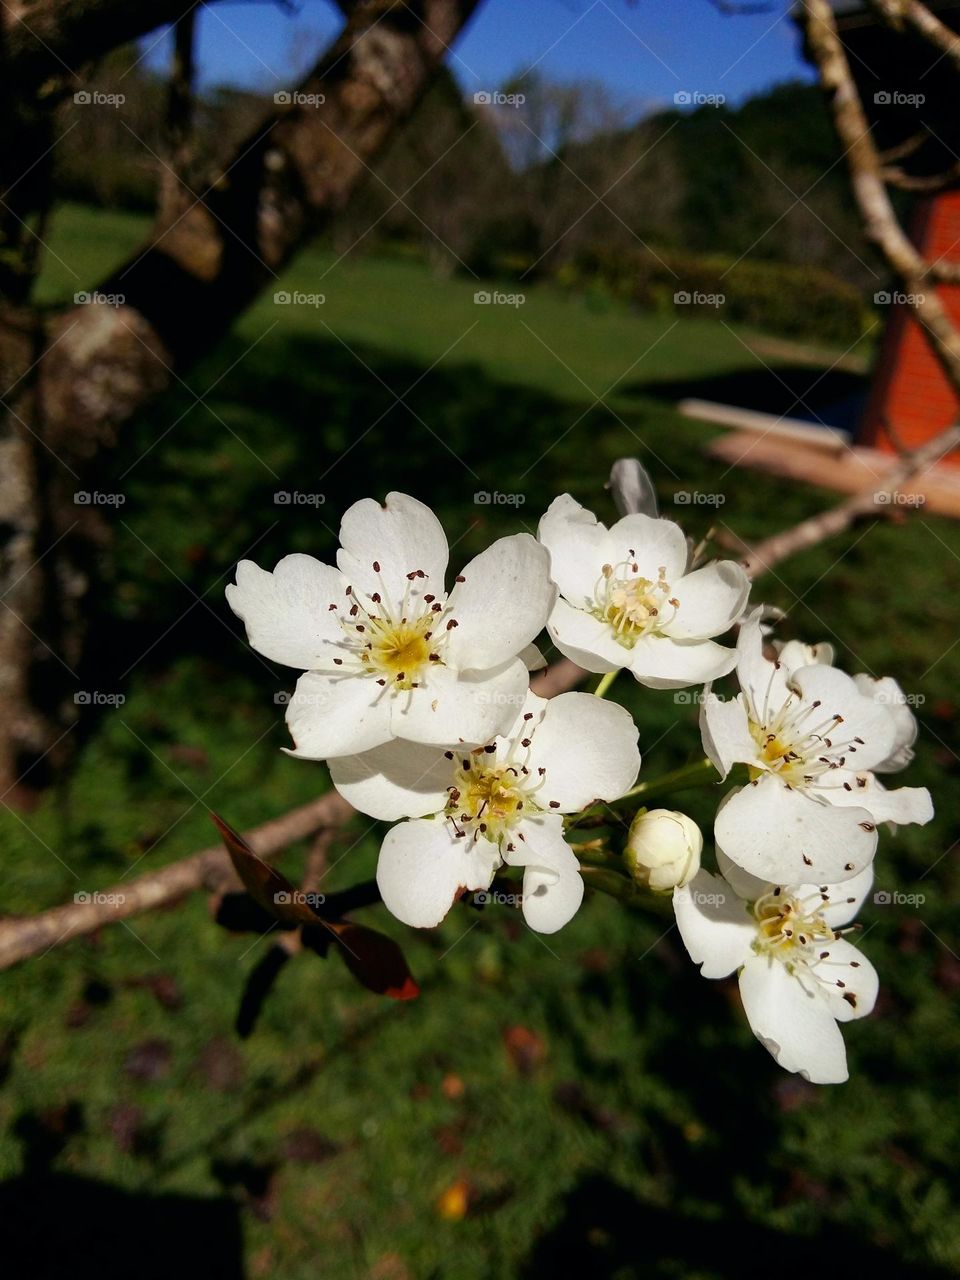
[588, 749]
[867, 726]
[286, 613]
[396, 780]
[783, 835]
[336, 716]
[711, 600]
[848, 981]
[763, 682]
[901, 805]
[403, 536]
[585, 640]
[792, 1023]
[651, 544]
[725, 731]
[500, 604]
[469, 707]
[714, 924]
[846, 899]
[662, 663]
[423, 868]
[579, 547]
[552, 884]
[888, 693]
[746, 886]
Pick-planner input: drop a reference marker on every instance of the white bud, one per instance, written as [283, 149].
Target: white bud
[663, 849]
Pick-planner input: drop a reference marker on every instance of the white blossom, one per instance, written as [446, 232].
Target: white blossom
[798, 974]
[628, 598]
[387, 652]
[811, 740]
[468, 813]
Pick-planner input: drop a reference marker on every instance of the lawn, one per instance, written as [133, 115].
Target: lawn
[608, 1109]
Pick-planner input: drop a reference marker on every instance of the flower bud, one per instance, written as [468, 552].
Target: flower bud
[663, 849]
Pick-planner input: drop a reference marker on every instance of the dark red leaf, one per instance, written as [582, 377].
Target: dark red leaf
[372, 957]
[268, 888]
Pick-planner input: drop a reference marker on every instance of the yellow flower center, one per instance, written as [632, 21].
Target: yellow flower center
[631, 604]
[790, 928]
[490, 801]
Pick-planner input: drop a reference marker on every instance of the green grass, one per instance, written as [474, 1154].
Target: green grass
[650, 1136]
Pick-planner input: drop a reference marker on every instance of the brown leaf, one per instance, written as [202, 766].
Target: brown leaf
[149, 1060]
[268, 888]
[374, 959]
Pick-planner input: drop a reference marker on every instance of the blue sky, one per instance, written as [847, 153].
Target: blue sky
[644, 51]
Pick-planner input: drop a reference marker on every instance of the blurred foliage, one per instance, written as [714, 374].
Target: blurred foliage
[580, 1103]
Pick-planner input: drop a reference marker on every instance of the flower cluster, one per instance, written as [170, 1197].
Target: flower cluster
[416, 691]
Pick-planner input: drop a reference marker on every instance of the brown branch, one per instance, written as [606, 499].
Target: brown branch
[866, 177]
[209, 869]
[932, 29]
[827, 524]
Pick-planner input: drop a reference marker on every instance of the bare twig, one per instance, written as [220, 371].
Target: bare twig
[826, 524]
[209, 869]
[867, 180]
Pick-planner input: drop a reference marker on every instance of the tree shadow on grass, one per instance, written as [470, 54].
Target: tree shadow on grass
[605, 1231]
[59, 1224]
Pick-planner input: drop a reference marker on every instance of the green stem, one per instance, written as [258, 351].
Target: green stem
[696, 774]
[604, 683]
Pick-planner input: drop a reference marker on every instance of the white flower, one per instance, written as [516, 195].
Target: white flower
[888, 694]
[799, 976]
[811, 740]
[500, 804]
[627, 599]
[663, 849]
[387, 653]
